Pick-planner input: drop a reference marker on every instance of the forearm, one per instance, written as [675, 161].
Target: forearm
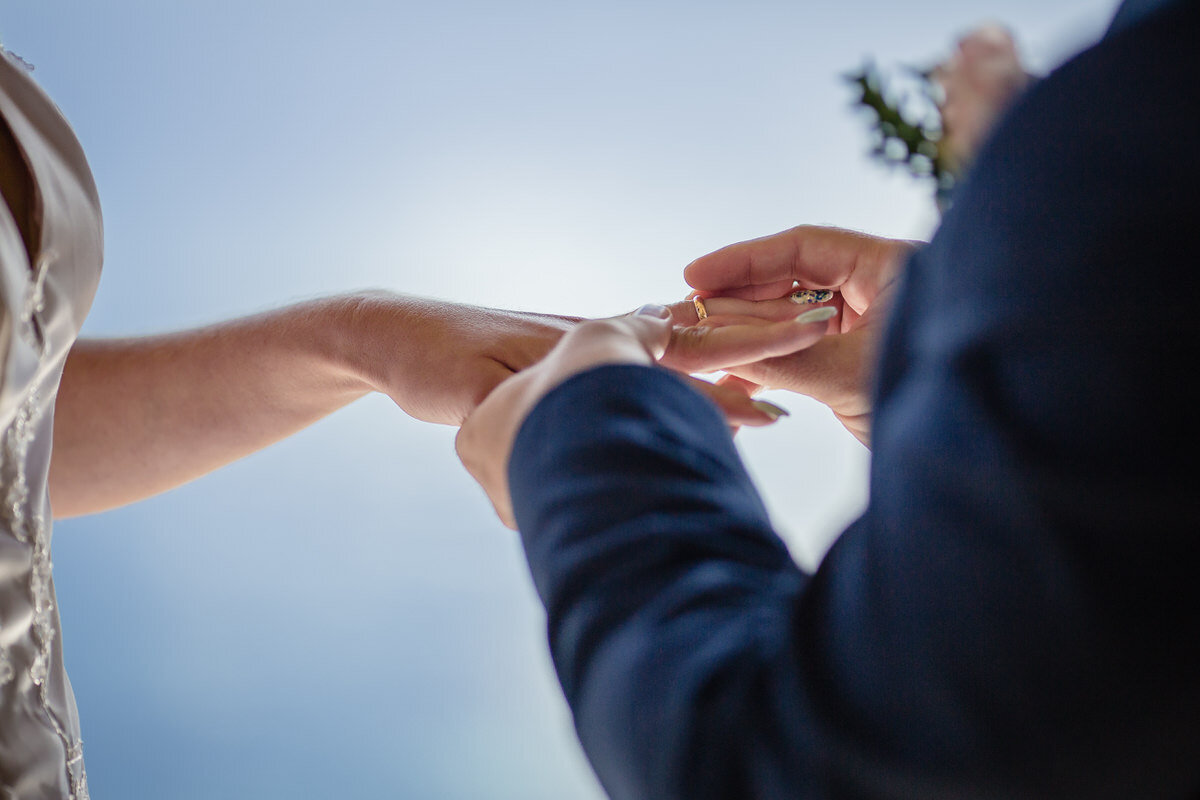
[136, 417]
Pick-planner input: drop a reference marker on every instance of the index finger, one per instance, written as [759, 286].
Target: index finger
[857, 264]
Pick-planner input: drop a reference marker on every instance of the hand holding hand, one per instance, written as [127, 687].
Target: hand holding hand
[485, 441]
[439, 360]
[859, 269]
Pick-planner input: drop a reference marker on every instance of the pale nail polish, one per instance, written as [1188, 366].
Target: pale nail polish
[821, 314]
[770, 409]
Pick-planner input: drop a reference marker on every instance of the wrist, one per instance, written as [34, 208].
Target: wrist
[352, 345]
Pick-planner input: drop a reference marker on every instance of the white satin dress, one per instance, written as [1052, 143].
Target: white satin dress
[46, 288]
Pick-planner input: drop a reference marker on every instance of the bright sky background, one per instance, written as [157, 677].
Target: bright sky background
[340, 615]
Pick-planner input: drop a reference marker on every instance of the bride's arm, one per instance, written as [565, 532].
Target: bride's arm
[136, 417]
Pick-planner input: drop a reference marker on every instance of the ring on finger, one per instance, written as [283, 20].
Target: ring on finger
[701, 311]
[810, 296]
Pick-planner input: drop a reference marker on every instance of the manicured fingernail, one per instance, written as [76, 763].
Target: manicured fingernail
[810, 296]
[817, 315]
[770, 409]
[654, 310]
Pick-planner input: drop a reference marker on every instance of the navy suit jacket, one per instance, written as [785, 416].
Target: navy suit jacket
[1017, 613]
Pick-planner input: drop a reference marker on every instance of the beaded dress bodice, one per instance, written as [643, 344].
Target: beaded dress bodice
[46, 288]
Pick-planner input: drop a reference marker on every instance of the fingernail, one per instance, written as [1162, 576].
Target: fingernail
[817, 315]
[770, 409]
[654, 310]
[810, 296]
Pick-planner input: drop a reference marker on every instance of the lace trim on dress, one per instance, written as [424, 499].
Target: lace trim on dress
[29, 527]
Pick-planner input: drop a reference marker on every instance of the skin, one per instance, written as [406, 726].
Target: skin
[860, 269]
[751, 332]
[979, 81]
[485, 440]
[136, 417]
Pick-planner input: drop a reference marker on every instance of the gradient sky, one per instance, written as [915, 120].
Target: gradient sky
[340, 615]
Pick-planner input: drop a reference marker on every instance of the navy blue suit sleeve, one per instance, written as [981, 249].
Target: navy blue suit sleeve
[664, 585]
[1017, 613]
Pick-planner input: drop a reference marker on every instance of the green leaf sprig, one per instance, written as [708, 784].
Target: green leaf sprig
[907, 125]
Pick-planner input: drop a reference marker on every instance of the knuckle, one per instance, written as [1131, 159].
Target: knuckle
[462, 445]
[586, 333]
[596, 329]
[684, 350]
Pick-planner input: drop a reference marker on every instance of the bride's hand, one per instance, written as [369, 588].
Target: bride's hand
[439, 360]
[749, 284]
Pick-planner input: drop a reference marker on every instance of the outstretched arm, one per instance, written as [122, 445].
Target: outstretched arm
[136, 417]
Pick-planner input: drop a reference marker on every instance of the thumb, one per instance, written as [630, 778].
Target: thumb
[651, 325]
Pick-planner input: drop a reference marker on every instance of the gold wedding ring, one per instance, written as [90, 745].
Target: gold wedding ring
[701, 311]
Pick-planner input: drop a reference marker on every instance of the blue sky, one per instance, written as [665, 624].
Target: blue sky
[340, 615]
